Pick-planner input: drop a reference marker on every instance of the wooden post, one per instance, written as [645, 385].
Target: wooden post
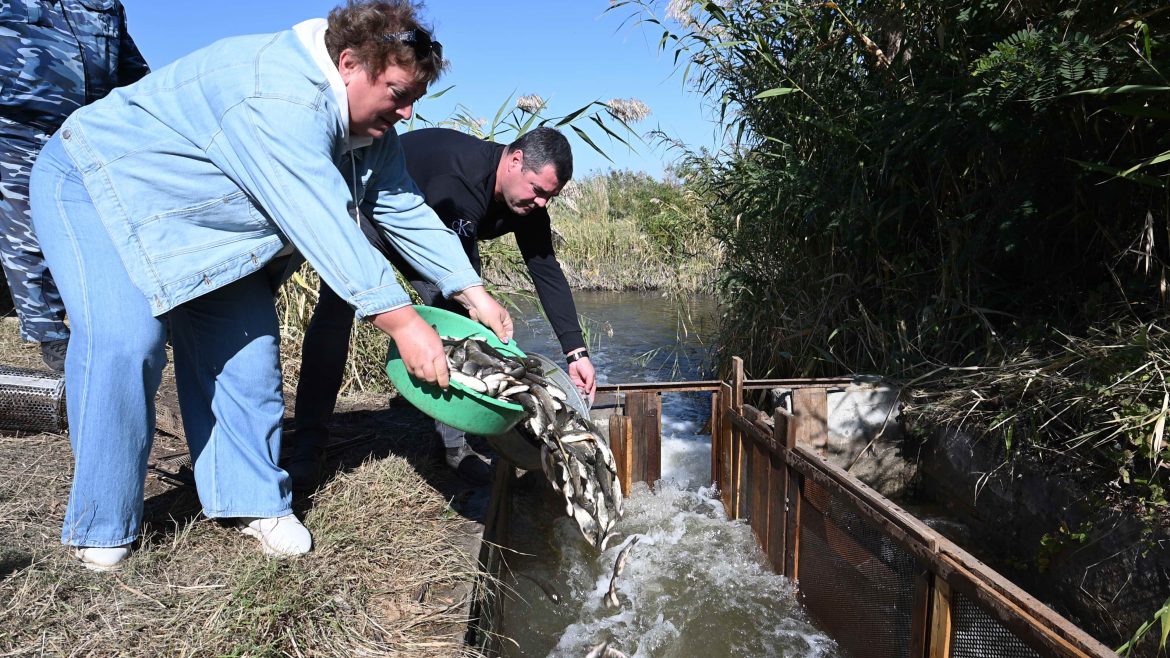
[739, 457]
[621, 431]
[716, 440]
[939, 640]
[487, 607]
[761, 467]
[726, 478]
[792, 494]
[645, 410]
[920, 614]
[810, 410]
[777, 504]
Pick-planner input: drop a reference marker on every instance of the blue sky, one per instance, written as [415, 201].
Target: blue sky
[568, 51]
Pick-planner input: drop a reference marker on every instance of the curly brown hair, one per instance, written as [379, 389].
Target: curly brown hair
[367, 28]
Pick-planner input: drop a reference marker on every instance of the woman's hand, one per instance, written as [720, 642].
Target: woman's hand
[418, 344]
[486, 311]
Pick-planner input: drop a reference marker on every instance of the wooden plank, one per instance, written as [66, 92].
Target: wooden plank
[940, 621]
[486, 609]
[713, 385]
[737, 379]
[1034, 623]
[645, 409]
[777, 503]
[920, 614]
[810, 411]
[761, 465]
[746, 480]
[792, 496]
[792, 527]
[620, 430]
[716, 439]
[726, 482]
[669, 387]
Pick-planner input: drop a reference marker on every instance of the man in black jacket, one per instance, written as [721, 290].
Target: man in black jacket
[481, 190]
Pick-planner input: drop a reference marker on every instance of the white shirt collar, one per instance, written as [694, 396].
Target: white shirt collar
[312, 36]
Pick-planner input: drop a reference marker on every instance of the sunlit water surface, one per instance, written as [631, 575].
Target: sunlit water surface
[695, 584]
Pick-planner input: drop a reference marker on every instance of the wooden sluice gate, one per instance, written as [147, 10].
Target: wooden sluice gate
[871, 575]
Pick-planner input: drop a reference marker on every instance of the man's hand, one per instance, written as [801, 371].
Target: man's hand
[418, 344]
[583, 377]
[486, 311]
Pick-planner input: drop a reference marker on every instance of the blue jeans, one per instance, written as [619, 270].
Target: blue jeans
[227, 369]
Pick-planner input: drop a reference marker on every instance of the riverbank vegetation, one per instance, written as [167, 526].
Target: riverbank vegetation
[613, 231]
[621, 230]
[968, 197]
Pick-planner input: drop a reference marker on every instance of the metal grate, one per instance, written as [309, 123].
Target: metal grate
[975, 634]
[31, 400]
[854, 580]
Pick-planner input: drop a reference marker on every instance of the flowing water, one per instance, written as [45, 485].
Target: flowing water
[695, 584]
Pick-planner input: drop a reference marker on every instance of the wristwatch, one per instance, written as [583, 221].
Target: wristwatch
[577, 356]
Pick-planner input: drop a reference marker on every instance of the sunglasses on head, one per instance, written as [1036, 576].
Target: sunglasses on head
[423, 45]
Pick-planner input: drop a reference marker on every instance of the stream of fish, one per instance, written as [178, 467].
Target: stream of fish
[691, 583]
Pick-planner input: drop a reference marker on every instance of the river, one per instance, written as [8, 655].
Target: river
[695, 584]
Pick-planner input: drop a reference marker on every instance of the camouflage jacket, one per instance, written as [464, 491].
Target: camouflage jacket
[57, 55]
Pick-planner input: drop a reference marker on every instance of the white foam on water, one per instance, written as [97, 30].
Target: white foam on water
[695, 584]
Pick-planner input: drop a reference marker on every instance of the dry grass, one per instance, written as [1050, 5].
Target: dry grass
[377, 582]
[387, 576]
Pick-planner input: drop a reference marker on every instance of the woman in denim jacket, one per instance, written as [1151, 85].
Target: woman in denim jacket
[181, 201]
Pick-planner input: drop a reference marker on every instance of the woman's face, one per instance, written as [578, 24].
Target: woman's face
[377, 103]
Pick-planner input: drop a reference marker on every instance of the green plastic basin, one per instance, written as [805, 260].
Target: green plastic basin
[456, 406]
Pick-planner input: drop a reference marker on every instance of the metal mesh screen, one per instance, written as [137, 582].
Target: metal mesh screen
[975, 634]
[31, 400]
[854, 580]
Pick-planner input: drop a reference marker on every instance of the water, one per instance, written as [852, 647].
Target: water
[695, 584]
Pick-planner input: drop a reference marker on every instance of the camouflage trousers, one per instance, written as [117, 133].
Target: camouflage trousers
[34, 294]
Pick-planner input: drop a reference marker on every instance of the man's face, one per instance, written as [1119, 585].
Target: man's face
[525, 190]
[377, 103]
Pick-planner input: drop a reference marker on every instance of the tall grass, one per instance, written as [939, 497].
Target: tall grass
[622, 231]
[972, 196]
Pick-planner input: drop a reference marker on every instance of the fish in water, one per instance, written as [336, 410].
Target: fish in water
[619, 565]
[575, 458]
[603, 650]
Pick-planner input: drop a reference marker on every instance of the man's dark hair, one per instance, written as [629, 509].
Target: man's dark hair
[545, 146]
[382, 33]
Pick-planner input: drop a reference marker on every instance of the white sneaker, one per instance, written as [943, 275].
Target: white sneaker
[281, 536]
[102, 559]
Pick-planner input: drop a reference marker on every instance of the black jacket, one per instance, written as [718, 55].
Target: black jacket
[457, 175]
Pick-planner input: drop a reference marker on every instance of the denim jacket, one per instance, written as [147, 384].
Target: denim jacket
[206, 169]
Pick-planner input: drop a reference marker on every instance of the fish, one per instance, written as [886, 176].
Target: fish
[603, 650]
[576, 460]
[619, 565]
